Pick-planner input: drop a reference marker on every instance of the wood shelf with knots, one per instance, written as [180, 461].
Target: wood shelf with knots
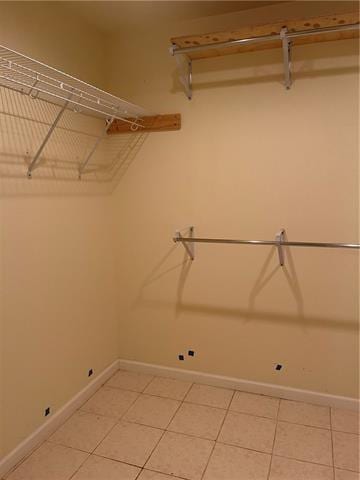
[284, 34]
[293, 25]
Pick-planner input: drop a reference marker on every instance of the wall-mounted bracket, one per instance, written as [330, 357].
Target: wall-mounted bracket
[280, 237]
[92, 151]
[189, 246]
[34, 161]
[184, 65]
[286, 49]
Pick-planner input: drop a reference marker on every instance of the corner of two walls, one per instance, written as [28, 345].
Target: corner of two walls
[251, 158]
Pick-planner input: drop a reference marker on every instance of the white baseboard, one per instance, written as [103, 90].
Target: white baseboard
[270, 389]
[50, 425]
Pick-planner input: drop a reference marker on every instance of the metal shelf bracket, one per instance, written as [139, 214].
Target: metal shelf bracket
[189, 246]
[280, 237]
[91, 153]
[286, 49]
[34, 161]
[184, 65]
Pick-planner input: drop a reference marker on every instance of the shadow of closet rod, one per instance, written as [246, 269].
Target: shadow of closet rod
[279, 242]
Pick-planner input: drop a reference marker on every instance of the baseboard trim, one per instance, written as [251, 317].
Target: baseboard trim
[270, 389]
[48, 427]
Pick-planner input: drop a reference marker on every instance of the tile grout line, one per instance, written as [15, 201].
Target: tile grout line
[217, 436]
[211, 406]
[235, 411]
[273, 444]
[221, 408]
[117, 422]
[332, 445]
[165, 429]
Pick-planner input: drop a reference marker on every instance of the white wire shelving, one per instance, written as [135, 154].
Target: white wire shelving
[69, 97]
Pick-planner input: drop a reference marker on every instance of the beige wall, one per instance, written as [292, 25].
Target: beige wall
[250, 158]
[58, 305]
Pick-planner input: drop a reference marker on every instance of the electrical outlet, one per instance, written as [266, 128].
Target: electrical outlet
[191, 353]
[278, 366]
[90, 372]
[181, 357]
[47, 411]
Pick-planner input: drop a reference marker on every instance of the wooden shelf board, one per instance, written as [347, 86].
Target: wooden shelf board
[154, 123]
[293, 25]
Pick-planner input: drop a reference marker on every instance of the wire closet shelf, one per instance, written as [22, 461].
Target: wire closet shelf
[39, 81]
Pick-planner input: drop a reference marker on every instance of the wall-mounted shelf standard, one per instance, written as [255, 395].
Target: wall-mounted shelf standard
[43, 83]
[282, 34]
[279, 242]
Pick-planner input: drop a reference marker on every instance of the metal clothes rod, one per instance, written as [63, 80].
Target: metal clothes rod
[268, 242]
[175, 50]
[279, 242]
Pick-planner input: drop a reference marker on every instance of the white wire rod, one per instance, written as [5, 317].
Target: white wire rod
[267, 242]
[57, 104]
[63, 87]
[175, 50]
[48, 124]
[46, 92]
[66, 77]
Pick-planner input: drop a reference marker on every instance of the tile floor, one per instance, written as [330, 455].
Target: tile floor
[140, 427]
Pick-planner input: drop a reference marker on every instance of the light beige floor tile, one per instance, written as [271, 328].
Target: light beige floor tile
[50, 461]
[289, 469]
[305, 443]
[234, 463]
[253, 404]
[129, 443]
[210, 396]
[346, 475]
[181, 456]
[83, 431]
[247, 431]
[346, 450]
[345, 420]
[304, 414]
[111, 402]
[98, 468]
[168, 387]
[198, 420]
[148, 475]
[135, 381]
[152, 411]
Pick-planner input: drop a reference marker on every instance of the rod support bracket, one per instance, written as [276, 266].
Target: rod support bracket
[280, 238]
[286, 49]
[184, 65]
[189, 246]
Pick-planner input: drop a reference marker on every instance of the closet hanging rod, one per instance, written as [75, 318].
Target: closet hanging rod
[279, 242]
[175, 50]
[267, 242]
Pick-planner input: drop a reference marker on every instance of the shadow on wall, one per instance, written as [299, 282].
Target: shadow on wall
[25, 122]
[244, 315]
[308, 61]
